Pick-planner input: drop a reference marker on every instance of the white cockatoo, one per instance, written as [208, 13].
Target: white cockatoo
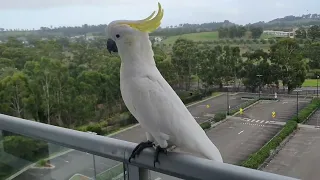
[149, 97]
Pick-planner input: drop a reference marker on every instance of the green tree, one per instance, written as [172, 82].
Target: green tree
[256, 32]
[301, 33]
[287, 56]
[183, 60]
[314, 32]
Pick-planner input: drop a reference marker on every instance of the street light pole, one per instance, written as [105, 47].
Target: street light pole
[228, 106]
[228, 101]
[259, 75]
[297, 90]
[317, 85]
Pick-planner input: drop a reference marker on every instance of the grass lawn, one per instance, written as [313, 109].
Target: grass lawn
[202, 36]
[310, 83]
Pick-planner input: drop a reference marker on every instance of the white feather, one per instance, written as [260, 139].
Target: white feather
[161, 112]
[151, 100]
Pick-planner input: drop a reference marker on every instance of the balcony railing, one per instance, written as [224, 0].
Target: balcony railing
[174, 164]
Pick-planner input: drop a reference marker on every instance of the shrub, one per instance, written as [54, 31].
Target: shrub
[42, 163]
[305, 112]
[219, 117]
[25, 148]
[248, 41]
[205, 125]
[95, 128]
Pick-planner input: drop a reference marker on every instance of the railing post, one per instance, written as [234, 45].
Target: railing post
[136, 173]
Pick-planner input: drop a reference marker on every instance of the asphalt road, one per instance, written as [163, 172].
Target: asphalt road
[82, 163]
[300, 157]
[236, 139]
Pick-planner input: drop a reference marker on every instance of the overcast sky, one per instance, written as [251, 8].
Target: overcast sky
[36, 13]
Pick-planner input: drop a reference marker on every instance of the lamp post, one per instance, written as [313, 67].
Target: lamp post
[317, 85]
[259, 75]
[228, 106]
[297, 90]
[94, 160]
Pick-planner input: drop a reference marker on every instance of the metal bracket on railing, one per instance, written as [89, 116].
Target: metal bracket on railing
[136, 173]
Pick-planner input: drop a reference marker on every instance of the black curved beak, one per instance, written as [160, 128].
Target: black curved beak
[111, 46]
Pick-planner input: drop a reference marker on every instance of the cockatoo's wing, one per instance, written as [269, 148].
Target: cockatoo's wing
[161, 112]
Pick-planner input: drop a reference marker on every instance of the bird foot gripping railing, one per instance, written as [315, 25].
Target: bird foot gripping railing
[173, 164]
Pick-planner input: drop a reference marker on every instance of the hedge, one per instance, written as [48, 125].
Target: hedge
[243, 105]
[126, 118]
[261, 98]
[256, 159]
[23, 148]
[110, 125]
[219, 117]
[205, 125]
[305, 112]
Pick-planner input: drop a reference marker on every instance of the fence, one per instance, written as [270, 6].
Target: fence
[174, 164]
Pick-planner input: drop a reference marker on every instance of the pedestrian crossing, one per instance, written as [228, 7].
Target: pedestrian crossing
[256, 122]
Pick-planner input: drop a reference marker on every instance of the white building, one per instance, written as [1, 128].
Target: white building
[280, 33]
[158, 39]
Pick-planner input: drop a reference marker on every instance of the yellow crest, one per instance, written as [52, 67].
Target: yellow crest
[148, 24]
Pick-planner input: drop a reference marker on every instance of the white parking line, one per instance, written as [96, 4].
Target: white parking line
[253, 120]
[257, 121]
[261, 121]
[158, 178]
[240, 132]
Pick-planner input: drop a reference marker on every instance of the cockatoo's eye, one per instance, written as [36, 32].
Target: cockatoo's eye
[117, 35]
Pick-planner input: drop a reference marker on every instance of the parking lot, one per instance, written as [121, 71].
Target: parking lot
[236, 139]
[300, 157]
[205, 110]
[284, 109]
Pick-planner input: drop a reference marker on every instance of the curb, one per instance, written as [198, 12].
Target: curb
[247, 107]
[203, 100]
[224, 120]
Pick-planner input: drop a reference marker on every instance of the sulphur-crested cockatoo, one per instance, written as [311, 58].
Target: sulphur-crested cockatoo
[149, 97]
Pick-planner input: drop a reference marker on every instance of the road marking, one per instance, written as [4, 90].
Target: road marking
[257, 121]
[272, 121]
[285, 102]
[253, 120]
[253, 124]
[240, 132]
[267, 121]
[261, 121]
[158, 178]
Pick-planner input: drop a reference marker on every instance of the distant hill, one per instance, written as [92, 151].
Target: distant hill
[289, 22]
[285, 23]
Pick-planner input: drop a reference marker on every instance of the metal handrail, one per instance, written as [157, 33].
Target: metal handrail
[174, 164]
